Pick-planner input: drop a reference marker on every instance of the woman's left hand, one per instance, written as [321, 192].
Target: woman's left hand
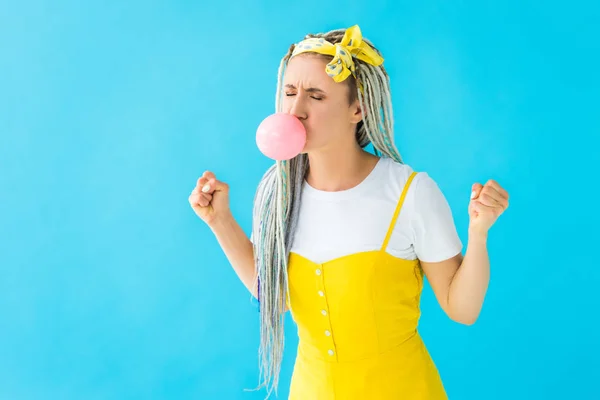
[487, 203]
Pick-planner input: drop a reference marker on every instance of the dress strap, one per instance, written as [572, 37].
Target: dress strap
[397, 212]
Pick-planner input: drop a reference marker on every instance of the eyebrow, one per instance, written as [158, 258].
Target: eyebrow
[310, 90]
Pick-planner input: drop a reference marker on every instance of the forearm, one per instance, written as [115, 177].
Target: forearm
[238, 249]
[469, 284]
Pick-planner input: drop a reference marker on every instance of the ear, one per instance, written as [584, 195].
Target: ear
[358, 113]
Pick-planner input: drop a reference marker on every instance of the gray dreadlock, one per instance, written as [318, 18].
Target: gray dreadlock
[277, 201]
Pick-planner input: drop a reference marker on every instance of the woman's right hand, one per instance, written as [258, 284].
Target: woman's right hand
[210, 199]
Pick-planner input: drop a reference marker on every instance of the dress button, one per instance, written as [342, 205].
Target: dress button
[318, 271]
[321, 293]
[327, 333]
[330, 352]
[323, 312]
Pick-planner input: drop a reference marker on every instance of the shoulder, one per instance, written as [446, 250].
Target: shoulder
[397, 175]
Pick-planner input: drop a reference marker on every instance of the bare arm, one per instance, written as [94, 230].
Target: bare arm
[210, 202]
[238, 249]
[460, 284]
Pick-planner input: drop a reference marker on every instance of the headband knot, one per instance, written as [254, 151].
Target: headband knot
[343, 53]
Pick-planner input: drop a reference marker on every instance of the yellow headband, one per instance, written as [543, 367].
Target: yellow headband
[342, 65]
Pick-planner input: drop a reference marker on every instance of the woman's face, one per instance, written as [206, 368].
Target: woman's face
[321, 104]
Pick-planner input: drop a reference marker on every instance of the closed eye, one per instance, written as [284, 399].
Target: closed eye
[293, 94]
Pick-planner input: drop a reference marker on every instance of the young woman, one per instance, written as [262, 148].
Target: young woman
[343, 238]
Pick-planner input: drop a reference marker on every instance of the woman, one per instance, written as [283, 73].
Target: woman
[343, 237]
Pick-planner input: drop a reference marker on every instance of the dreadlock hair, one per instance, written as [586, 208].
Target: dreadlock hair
[277, 201]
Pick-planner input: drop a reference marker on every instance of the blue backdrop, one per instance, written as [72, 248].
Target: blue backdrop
[111, 287]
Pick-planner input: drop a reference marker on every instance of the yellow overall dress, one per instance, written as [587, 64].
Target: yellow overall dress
[357, 321]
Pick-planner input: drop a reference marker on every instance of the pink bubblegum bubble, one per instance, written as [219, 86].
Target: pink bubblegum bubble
[281, 136]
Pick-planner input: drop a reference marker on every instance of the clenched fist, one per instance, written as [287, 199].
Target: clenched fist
[487, 203]
[210, 199]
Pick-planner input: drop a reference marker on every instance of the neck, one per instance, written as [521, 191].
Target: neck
[339, 169]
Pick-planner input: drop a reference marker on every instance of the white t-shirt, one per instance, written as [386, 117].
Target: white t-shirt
[335, 224]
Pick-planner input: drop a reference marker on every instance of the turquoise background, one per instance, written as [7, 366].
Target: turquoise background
[111, 287]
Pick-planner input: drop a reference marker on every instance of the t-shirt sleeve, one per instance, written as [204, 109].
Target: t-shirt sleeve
[434, 233]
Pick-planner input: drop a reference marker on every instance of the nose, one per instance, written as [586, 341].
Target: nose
[298, 107]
